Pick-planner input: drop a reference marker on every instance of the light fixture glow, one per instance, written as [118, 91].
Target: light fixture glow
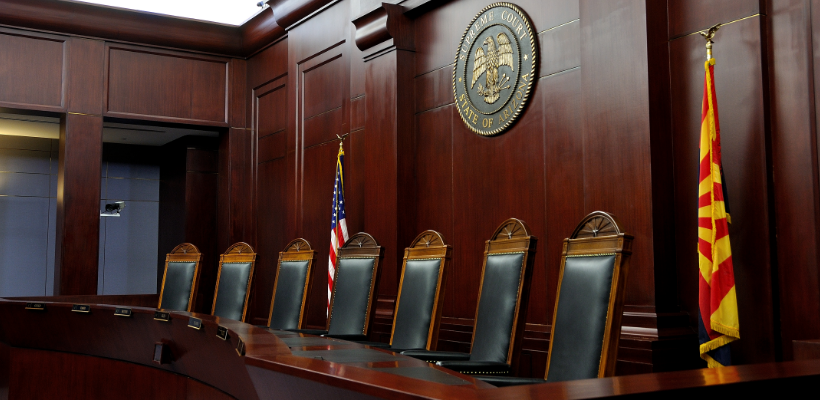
[230, 12]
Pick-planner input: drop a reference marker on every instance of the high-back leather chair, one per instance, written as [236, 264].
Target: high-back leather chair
[502, 305]
[287, 306]
[424, 272]
[233, 282]
[586, 324]
[180, 281]
[354, 284]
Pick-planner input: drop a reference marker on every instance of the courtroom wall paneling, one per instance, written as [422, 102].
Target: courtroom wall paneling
[318, 109]
[201, 202]
[33, 73]
[86, 60]
[193, 87]
[795, 164]
[688, 16]
[269, 104]
[739, 85]
[242, 149]
[272, 233]
[616, 123]
[238, 93]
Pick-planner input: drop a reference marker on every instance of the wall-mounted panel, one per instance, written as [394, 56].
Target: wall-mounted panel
[166, 86]
[32, 70]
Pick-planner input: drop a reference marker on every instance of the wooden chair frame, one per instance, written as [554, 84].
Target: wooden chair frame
[360, 245]
[427, 245]
[185, 252]
[240, 252]
[296, 250]
[599, 234]
[512, 236]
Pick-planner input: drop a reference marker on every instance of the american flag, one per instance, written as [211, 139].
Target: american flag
[338, 225]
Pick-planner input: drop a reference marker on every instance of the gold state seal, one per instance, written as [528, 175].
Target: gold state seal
[494, 71]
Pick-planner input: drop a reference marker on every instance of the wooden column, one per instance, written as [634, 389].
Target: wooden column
[78, 179]
[386, 38]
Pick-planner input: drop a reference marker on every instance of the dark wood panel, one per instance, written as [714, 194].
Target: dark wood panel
[356, 155]
[166, 85]
[564, 204]
[314, 221]
[86, 64]
[124, 25]
[434, 185]
[687, 16]
[111, 378]
[242, 160]
[272, 236]
[200, 225]
[268, 64]
[78, 205]
[795, 165]
[560, 48]
[323, 127]
[739, 85]
[271, 107]
[32, 72]
[324, 86]
[202, 160]
[289, 12]
[510, 185]
[616, 120]
[357, 113]
[272, 147]
[238, 92]
[434, 89]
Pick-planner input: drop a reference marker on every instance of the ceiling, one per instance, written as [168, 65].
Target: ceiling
[228, 12]
[49, 128]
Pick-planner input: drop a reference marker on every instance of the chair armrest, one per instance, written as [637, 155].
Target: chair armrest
[503, 381]
[476, 367]
[317, 332]
[433, 356]
[349, 338]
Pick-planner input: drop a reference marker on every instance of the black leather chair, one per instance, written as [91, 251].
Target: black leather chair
[233, 282]
[417, 315]
[287, 306]
[355, 282]
[586, 324]
[180, 281]
[502, 305]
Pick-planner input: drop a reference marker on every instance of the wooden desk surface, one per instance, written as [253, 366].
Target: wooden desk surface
[285, 365]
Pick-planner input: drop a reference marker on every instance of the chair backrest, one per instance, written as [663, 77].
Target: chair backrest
[233, 282]
[287, 306]
[424, 273]
[180, 281]
[354, 283]
[504, 293]
[586, 325]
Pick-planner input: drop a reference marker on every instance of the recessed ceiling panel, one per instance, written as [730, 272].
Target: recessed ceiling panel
[229, 12]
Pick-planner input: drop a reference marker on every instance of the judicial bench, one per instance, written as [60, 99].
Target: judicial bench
[54, 348]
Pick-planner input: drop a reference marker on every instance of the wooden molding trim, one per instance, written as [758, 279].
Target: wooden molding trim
[384, 28]
[289, 13]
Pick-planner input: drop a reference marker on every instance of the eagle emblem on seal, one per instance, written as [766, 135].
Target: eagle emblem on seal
[488, 62]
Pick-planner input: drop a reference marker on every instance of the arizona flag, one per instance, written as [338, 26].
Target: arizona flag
[718, 320]
[338, 225]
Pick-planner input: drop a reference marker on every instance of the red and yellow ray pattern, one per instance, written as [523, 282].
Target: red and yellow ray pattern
[717, 300]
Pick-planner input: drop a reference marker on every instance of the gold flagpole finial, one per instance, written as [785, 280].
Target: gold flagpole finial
[708, 35]
[342, 138]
